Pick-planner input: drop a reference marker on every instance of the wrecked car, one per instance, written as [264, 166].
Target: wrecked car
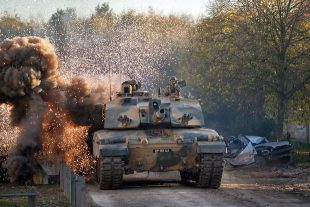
[245, 150]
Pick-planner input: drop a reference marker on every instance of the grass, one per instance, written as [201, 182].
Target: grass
[301, 153]
[12, 204]
[48, 196]
[301, 146]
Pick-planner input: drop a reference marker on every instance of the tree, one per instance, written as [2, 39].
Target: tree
[222, 63]
[60, 25]
[103, 20]
[103, 10]
[11, 26]
[237, 67]
[284, 24]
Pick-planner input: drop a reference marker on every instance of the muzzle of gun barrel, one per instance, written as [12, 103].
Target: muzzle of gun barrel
[159, 115]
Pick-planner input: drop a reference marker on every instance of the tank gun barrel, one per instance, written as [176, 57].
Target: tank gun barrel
[159, 115]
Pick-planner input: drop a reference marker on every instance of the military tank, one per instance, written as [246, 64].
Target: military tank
[157, 134]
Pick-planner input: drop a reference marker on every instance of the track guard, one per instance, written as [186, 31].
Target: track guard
[112, 150]
[211, 147]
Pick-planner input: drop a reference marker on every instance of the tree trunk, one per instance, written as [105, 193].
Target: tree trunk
[280, 117]
[308, 132]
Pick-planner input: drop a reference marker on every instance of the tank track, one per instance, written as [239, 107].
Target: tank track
[110, 173]
[210, 171]
[185, 176]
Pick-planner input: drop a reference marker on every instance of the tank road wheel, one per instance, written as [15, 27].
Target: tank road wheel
[185, 176]
[210, 171]
[111, 172]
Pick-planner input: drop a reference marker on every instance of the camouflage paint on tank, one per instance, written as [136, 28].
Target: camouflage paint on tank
[144, 146]
[140, 111]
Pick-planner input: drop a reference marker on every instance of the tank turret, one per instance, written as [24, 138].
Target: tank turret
[134, 108]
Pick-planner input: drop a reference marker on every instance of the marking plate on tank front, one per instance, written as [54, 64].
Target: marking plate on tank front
[161, 150]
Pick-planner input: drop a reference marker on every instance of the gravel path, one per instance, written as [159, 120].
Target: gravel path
[239, 188]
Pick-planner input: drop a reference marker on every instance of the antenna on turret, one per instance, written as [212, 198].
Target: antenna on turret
[110, 85]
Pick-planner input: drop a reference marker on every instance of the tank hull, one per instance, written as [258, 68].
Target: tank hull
[157, 150]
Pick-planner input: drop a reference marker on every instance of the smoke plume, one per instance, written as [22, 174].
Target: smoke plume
[27, 65]
[20, 162]
[46, 109]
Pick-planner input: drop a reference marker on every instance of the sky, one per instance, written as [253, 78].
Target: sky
[45, 8]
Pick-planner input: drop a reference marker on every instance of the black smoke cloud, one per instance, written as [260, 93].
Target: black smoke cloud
[20, 162]
[29, 82]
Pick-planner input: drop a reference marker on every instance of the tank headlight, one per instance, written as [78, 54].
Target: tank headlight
[202, 138]
[179, 140]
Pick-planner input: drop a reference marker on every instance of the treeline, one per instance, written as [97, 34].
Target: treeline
[252, 59]
[247, 61]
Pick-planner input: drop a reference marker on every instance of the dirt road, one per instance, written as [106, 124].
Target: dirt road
[285, 187]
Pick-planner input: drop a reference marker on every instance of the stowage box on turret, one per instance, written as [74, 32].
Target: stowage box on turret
[157, 134]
